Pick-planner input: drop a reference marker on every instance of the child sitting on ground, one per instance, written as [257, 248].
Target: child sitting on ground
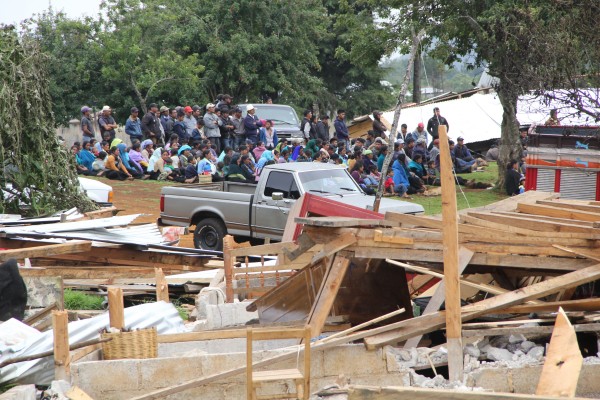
[389, 184]
[98, 165]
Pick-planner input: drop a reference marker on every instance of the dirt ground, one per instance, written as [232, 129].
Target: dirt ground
[141, 197]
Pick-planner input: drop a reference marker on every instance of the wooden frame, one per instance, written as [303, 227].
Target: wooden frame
[301, 379]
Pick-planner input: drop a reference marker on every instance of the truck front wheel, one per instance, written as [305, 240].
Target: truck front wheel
[209, 234]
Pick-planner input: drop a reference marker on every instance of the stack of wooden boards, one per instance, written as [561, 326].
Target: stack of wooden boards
[535, 250]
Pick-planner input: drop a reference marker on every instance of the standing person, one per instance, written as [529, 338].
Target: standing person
[107, 123]
[238, 128]
[251, 124]
[151, 124]
[133, 126]
[323, 128]
[226, 128]
[268, 135]
[306, 127]
[341, 130]
[225, 100]
[379, 127]
[167, 120]
[434, 123]
[212, 123]
[189, 120]
[87, 128]
[553, 120]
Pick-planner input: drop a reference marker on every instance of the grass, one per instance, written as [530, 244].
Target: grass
[470, 198]
[75, 300]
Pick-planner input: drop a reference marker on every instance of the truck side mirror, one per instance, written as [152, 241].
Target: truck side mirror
[276, 196]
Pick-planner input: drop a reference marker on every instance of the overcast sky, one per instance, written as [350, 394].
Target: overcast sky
[14, 11]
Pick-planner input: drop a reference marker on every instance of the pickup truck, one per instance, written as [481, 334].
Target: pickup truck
[261, 210]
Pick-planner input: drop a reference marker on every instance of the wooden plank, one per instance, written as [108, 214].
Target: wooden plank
[263, 249]
[413, 393]
[414, 220]
[451, 261]
[334, 246]
[62, 357]
[75, 393]
[43, 313]
[592, 304]
[327, 293]
[526, 225]
[340, 222]
[97, 273]
[438, 297]
[74, 246]
[162, 287]
[526, 330]
[571, 206]
[427, 323]
[379, 236]
[561, 369]
[228, 261]
[552, 219]
[116, 308]
[557, 212]
[592, 255]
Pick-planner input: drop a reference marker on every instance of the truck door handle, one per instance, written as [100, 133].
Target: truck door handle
[287, 201]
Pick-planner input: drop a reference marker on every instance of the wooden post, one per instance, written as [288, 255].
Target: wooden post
[162, 287]
[62, 356]
[228, 261]
[451, 274]
[116, 308]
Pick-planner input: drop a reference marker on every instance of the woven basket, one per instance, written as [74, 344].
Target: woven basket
[135, 344]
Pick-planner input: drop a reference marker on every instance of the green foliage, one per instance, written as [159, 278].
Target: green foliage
[39, 170]
[75, 300]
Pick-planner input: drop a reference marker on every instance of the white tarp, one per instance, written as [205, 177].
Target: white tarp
[161, 315]
[479, 117]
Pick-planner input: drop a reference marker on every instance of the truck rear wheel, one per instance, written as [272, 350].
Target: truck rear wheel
[209, 234]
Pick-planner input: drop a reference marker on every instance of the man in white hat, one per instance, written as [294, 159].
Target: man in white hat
[107, 124]
[212, 122]
[251, 124]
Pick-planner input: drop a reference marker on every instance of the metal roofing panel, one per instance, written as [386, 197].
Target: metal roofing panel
[73, 226]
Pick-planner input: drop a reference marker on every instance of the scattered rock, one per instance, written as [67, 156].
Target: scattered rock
[497, 354]
[472, 351]
[482, 343]
[512, 347]
[537, 353]
[527, 345]
[499, 342]
[518, 338]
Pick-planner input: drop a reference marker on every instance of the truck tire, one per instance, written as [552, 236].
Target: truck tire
[209, 234]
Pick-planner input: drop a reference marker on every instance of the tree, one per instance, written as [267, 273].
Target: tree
[139, 58]
[527, 45]
[38, 174]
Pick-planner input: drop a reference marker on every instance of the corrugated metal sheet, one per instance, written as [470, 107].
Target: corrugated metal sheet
[577, 184]
[163, 316]
[545, 180]
[74, 226]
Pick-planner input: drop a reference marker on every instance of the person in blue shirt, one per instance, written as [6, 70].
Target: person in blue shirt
[401, 183]
[133, 126]
[341, 130]
[251, 124]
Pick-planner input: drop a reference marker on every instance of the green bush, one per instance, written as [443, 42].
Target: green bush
[75, 300]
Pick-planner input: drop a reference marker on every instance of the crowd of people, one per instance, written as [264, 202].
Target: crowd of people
[183, 143]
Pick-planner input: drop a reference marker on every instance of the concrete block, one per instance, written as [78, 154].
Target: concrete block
[472, 350]
[354, 359]
[162, 372]
[527, 345]
[537, 353]
[22, 392]
[497, 354]
[525, 379]
[229, 314]
[495, 379]
[100, 376]
[43, 290]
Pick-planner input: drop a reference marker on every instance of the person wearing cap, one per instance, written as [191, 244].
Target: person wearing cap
[379, 128]
[167, 120]
[419, 132]
[341, 130]
[433, 124]
[238, 128]
[151, 124]
[224, 101]
[322, 128]
[189, 120]
[133, 126]
[87, 128]
[251, 124]
[107, 124]
[461, 151]
[212, 123]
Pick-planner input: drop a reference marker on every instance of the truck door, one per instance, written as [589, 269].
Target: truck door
[270, 216]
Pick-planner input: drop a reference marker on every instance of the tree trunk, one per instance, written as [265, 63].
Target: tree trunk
[416, 96]
[139, 95]
[510, 145]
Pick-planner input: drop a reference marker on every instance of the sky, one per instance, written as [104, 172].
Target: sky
[14, 11]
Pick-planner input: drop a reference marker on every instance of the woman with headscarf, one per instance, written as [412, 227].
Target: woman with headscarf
[312, 146]
[134, 169]
[114, 166]
[86, 158]
[234, 172]
[184, 153]
[136, 156]
[379, 128]
[147, 147]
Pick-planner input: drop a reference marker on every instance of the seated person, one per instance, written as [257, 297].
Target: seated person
[512, 179]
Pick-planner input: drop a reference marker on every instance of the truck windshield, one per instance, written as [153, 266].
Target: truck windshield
[334, 181]
[279, 115]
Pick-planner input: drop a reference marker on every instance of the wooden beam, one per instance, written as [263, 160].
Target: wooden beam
[561, 369]
[380, 236]
[405, 392]
[116, 310]
[526, 330]
[228, 261]
[334, 246]
[427, 323]
[438, 297]
[537, 209]
[75, 246]
[592, 304]
[75, 393]
[592, 255]
[528, 224]
[326, 296]
[340, 222]
[162, 287]
[62, 357]
[571, 206]
[263, 249]
[87, 274]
